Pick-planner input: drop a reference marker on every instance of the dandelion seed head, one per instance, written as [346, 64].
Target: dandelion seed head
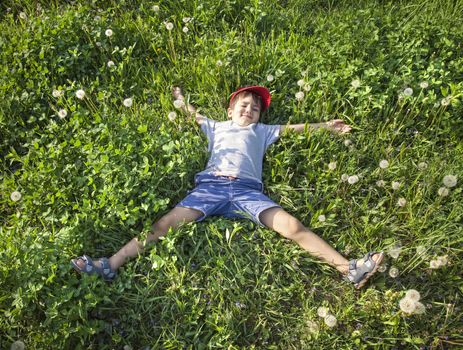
[443, 191]
[307, 87]
[395, 185]
[355, 83]
[186, 19]
[22, 15]
[301, 82]
[62, 113]
[128, 102]
[171, 116]
[155, 8]
[110, 64]
[322, 311]
[353, 179]
[322, 218]
[332, 165]
[401, 202]
[382, 268]
[442, 260]
[347, 142]
[445, 101]
[413, 294]
[393, 272]
[15, 196]
[312, 326]
[279, 72]
[299, 95]
[419, 308]
[420, 250]
[97, 18]
[108, 32]
[270, 77]
[344, 177]
[179, 103]
[434, 264]
[127, 347]
[219, 63]
[422, 165]
[394, 252]
[169, 26]
[185, 29]
[407, 305]
[80, 94]
[450, 181]
[408, 91]
[18, 345]
[56, 93]
[380, 183]
[383, 164]
[424, 85]
[331, 321]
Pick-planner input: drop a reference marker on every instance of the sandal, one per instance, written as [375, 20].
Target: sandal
[89, 268]
[359, 275]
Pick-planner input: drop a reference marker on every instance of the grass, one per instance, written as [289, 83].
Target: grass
[104, 173]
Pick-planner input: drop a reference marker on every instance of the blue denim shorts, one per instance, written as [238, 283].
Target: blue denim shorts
[228, 197]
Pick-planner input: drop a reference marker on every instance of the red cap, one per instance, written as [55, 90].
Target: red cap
[258, 90]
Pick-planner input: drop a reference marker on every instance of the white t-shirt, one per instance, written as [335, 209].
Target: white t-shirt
[237, 150]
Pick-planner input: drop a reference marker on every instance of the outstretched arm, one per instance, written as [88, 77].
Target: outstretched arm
[186, 107]
[336, 125]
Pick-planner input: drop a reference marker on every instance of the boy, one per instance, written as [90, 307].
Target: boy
[231, 186]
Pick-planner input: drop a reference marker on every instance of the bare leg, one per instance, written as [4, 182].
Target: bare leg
[171, 220]
[290, 227]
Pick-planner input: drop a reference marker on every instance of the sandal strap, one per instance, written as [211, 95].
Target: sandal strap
[106, 271]
[357, 274]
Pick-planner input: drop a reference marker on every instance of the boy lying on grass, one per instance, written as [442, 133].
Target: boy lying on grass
[231, 186]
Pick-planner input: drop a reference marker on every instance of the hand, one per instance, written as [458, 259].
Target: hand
[338, 126]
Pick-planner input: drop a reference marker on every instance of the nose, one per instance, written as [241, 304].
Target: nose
[248, 109]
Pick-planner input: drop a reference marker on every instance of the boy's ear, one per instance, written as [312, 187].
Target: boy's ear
[229, 112]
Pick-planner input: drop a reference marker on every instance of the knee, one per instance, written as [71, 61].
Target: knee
[292, 229]
[162, 226]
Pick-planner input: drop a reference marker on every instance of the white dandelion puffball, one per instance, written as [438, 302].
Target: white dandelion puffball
[344, 177]
[22, 15]
[270, 77]
[56, 93]
[380, 183]
[347, 142]
[169, 26]
[420, 250]
[419, 308]
[186, 19]
[443, 191]
[62, 113]
[128, 102]
[322, 311]
[395, 185]
[355, 83]
[219, 63]
[332, 165]
[299, 95]
[185, 29]
[442, 260]
[155, 8]
[407, 305]
[393, 272]
[108, 32]
[307, 87]
[98, 44]
[15, 196]
[171, 116]
[434, 264]
[353, 179]
[127, 347]
[394, 252]
[408, 91]
[179, 103]
[97, 18]
[110, 64]
[312, 326]
[322, 218]
[413, 294]
[383, 164]
[301, 82]
[424, 85]
[80, 94]
[18, 345]
[445, 101]
[382, 268]
[450, 181]
[331, 321]
[422, 165]
[401, 202]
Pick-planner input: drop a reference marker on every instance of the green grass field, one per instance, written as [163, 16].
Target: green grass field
[87, 175]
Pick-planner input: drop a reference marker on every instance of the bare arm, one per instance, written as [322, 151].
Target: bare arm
[336, 125]
[186, 107]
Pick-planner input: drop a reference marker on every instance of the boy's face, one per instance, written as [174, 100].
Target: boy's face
[246, 111]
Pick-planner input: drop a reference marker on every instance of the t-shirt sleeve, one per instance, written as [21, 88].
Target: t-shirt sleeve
[208, 127]
[272, 133]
